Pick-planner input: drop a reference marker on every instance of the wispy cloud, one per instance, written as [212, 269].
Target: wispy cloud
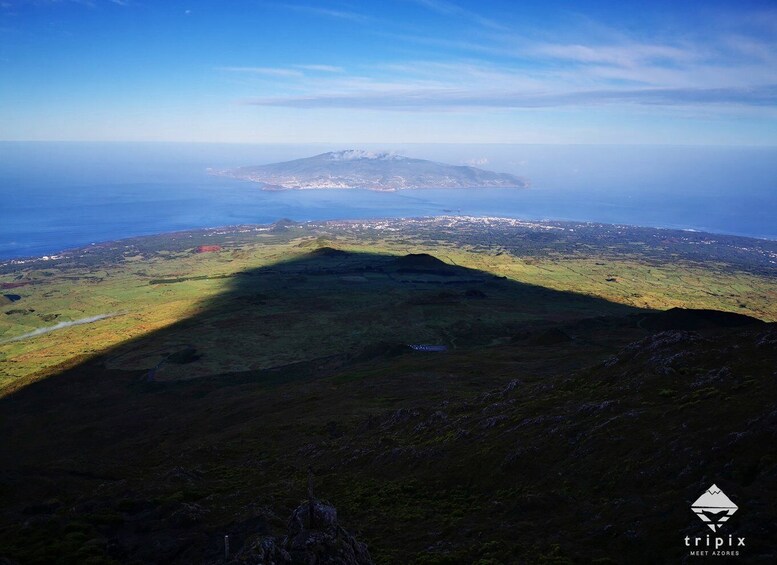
[321, 68]
[447, 8]
[327, 12]
[603, 66]
[267, 71]
[296, 71]
[624, 55]
[430, 99]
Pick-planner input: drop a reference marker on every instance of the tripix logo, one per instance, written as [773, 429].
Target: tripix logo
[714, 508]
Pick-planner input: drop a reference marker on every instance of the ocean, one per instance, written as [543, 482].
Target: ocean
[55, 196]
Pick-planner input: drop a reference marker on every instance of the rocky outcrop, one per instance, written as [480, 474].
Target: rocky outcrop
[320, 541]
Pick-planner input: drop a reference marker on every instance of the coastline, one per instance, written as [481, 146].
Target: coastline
[190, 236]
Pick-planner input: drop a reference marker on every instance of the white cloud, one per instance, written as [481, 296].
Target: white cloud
[447, 8]
[607, 67]
[625, 55]
[445, 99]
[321, 68]
[327, 12]
[269, 71]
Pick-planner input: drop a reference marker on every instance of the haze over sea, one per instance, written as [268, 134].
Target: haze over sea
[55, 196]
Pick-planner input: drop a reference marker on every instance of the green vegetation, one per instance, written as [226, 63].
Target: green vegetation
[567, 422]
[150, 283]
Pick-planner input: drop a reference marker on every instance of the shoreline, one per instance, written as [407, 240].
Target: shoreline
[81, 250]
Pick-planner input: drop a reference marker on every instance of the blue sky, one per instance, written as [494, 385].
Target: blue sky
[396, 71]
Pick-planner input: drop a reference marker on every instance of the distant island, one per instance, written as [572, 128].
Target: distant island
[373, 171]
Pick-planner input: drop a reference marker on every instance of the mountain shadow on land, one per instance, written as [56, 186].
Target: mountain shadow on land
[552, 426]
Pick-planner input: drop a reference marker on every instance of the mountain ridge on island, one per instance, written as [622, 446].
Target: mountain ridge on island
[381, 171]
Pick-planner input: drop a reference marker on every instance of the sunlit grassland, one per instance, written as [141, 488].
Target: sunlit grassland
[130, 291]
[637, 283]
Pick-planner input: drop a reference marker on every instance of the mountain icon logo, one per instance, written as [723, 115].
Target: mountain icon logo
[714, 508]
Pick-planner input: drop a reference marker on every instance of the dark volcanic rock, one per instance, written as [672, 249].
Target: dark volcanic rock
[662, 353]
[22, 311]
[321, 541]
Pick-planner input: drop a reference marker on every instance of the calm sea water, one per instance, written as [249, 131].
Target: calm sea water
[55, 196]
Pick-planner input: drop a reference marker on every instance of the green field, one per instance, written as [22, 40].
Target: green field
[148, 284]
